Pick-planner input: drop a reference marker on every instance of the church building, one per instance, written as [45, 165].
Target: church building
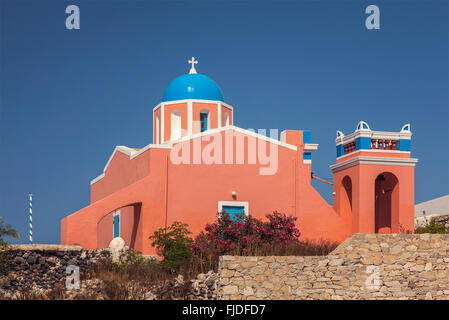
[200, 163]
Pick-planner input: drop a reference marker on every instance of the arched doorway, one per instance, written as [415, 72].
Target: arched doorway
[122, 222]
[386, 203]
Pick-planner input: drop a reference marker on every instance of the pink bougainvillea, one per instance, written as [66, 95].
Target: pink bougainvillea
[244, 235]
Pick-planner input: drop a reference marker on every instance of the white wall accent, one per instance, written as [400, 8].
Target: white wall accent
[158, 120]
[219, 124]
[310, 147]
[162, 123]
[438, 206]
[189, 118]
[433, 209]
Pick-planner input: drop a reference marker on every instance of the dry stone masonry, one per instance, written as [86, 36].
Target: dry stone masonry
[43, 267]
[365, 266]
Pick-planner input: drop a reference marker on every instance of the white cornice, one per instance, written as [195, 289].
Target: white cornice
[406, 135]
[309, 147]
[194, 100]
[156, 107]
[131, 153]
[101, 176]
[373, 160]
[232, 127]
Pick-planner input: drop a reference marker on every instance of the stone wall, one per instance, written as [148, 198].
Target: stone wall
[35, 270]
[365, 266]
[43, 267]
[423, 221]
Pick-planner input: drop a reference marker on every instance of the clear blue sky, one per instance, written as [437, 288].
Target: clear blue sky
[69, 97]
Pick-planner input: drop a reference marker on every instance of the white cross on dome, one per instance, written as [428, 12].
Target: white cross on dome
[193, 62]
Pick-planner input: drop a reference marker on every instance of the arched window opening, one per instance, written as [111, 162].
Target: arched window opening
[175, 125]
[204, 120]
[157, 141]
[226, 119]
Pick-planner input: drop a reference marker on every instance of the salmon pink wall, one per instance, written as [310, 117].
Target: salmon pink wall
[190, 193]
[104, 230]
[81, 226]
[363, 177]
[120, 172]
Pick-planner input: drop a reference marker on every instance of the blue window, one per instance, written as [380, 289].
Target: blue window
[116, 225]
[235, 212]
[203, 119]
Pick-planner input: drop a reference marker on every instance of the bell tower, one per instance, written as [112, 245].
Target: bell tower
[374, 180]
[192, 103]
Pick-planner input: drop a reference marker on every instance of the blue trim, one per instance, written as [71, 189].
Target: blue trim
[404, 145]
[307, 156]
[306, 137]
[340, 150]
[363, 143]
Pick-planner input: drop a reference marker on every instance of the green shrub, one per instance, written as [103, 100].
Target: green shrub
[173, 243]
[432, 227]
[131, 257]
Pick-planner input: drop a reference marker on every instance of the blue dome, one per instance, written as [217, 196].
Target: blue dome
[193, 86]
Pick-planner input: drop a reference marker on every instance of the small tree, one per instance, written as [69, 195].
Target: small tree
[5, 230]
[173, 243]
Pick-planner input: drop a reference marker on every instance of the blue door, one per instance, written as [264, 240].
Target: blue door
[116, 225]
[234, 211]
